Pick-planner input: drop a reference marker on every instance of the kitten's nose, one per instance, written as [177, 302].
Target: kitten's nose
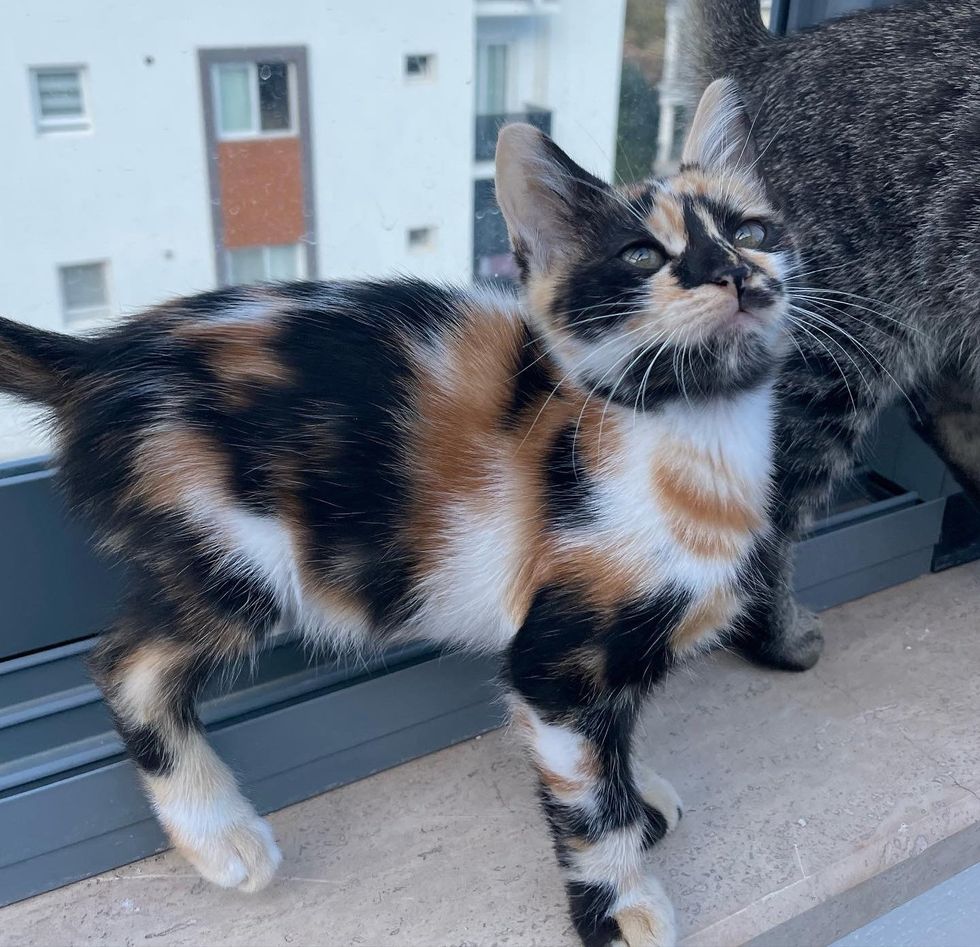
[732, 278]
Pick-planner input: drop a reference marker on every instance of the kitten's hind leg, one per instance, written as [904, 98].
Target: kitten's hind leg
[150, 678]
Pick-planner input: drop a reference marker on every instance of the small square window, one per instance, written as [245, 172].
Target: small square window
[84, 292]
[420, 66]
[59, 99]
[421, 238]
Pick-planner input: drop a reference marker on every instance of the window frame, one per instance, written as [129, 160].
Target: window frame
[256, 131]
[266, 248]
[428, 74]
[47, 125]
[85, 316]
[297, 57]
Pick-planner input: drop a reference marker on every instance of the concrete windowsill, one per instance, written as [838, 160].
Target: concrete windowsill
[815, 802]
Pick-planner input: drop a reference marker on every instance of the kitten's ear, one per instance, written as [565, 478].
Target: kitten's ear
[542, 194]
[720, 137]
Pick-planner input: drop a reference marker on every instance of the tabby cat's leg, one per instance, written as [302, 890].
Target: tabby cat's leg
[774, 630]
[948, 417]
[150, 677]
[821, 421]
[602, 819]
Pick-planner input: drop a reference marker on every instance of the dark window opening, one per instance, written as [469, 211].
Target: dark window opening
[274, 96]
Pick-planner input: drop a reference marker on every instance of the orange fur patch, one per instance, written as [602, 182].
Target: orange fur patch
[639, 926]
[704, 617]
[699, 503]
[561, 785]
[666, 222]
[600, 574]
[457, 437]
[241, 355]
[738, 190]
[171, 462]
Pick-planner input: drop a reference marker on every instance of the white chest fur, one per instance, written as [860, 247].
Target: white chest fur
[686, 492]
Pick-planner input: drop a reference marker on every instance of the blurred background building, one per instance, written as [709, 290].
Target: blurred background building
[156, 152]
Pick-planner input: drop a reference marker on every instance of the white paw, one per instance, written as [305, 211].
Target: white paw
[244, 855]
[645, 916]
[657, 792]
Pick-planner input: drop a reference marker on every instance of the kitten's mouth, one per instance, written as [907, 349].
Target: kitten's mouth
[741, 317]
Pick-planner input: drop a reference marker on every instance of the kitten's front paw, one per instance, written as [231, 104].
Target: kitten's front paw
[645, 916]
[243, 855]
[664, 809]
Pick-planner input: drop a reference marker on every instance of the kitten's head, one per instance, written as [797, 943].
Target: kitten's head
[670, 289]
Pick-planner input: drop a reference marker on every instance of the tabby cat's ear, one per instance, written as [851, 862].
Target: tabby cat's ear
[545, 197]
[720, 137]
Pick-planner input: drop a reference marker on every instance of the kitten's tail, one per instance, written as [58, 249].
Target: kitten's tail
[41, 366]
[718, 33]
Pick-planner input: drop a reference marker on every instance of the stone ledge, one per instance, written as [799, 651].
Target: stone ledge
[812, 804]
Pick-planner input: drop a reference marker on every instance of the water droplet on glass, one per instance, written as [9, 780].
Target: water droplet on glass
[265, 72]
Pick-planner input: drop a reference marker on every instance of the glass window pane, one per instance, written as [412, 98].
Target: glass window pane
[83, 287]
[284, 261]
[234, 98]
[492, 82]
[247, 265]
[274, 96]
[60, 93]
[418, 66]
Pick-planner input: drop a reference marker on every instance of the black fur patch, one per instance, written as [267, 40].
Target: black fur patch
[532, 380]
[589, 906]
[569, 487]
[703, 257]
[147, 748]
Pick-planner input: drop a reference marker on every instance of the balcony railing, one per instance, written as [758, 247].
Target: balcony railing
[488, 126]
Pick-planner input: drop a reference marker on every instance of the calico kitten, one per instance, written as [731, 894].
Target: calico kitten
[579, 484]
[868, 128]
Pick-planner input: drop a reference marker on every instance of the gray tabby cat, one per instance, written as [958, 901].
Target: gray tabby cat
[869, 134]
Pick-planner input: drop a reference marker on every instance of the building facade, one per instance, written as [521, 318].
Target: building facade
[156, 151]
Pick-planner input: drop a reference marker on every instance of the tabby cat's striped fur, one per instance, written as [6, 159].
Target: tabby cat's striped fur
[868, 129]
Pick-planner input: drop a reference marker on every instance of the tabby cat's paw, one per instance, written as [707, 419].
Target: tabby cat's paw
[792, 641]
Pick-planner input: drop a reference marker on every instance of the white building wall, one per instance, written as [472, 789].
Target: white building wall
[585, 56]
[389, 153]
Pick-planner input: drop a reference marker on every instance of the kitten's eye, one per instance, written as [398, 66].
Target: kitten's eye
[750, 235]
[643, 257]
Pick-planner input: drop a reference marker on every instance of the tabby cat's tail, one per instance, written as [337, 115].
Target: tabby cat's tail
[718, 33]
[41, 366]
